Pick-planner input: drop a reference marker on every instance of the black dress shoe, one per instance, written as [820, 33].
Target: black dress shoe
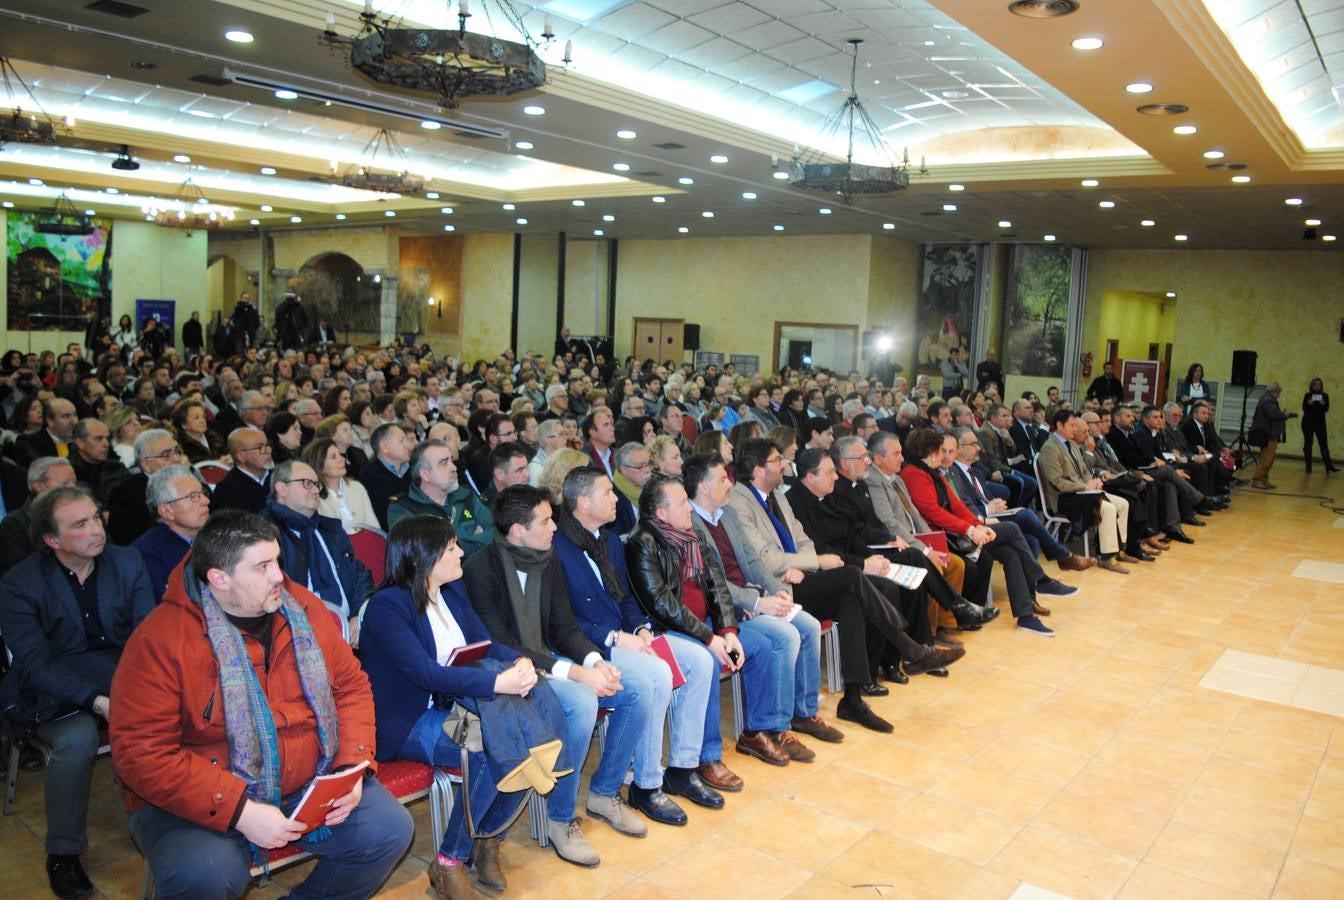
[856, 710]
[873, 689]
[686, 783]
[1180, 537]
[657, 805]
[975, 616]
[67, 877]
[1198, 523]
[1206, 508]
[938, 673]
[893, 674]
[1141, 555]
[934, 659]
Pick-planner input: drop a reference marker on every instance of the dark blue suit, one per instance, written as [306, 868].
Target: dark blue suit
[162, 549]
[1033, 530]
[597, 612]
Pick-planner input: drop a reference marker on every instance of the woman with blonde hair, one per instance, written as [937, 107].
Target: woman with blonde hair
[560, 464]
[124, 424]
[666, 456]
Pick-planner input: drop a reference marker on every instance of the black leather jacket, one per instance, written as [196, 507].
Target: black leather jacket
[655, 575]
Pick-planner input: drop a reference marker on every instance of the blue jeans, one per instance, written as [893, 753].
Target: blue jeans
[1036, 535]
[688, 704]
[630, 710]
[798, 643]
[1028, 486]
[194, 862]
[762, 676]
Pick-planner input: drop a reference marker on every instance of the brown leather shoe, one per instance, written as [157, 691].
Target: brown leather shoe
[1111, 565]
[718, 776]
[796, 749]
[938, 658]
[761, 746]
[1075, 563]
[947, 638]
[1039, 610]
[1153, 546]
[485, 863]
[450, 881]
[818, 728]
[1124, 557]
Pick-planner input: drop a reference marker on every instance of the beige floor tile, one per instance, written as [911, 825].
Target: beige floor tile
[849, 794]
[1302, 879]
[1030, 760]
[1122, 831]
[1246, 684]
[1232, 816]
[1065, 732]
[1319, 841]
[900, 868]
[1320, 570]
[896, 761]
[988, 885]
[1268, 751]
[1319, 699]
[1168, 761]
[1256, 783]
[641, 856]
[953, 828]
[1299, 727]
[1130, 789]
[1267, 666]
[811, 839]
[818, 887]
[1015, 799]
[1067, 866]
[553, 878]
[1216, 858]
[1150, 882]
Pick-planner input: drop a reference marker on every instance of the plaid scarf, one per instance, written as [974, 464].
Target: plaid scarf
[687, 544]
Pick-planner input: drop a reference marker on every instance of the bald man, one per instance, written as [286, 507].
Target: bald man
[248, 484]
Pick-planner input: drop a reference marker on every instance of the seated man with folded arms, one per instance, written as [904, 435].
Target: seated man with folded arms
[517, 587]
[1149, 501]
[66, 612]
[1071, 489]
[608, 613]
[181, 504]
[213, 757]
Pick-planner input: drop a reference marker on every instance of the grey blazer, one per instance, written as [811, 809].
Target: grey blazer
[887, 504]
[768, 557]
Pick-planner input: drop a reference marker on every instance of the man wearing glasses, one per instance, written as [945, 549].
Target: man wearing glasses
[634, 468]
[181, 504]
[248, 483]
[315, 551]
[129, 517]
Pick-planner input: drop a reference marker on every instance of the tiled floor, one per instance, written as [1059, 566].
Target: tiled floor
[1279, 680]
[1091, 765]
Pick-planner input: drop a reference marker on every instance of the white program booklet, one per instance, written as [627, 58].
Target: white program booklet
[909, 577]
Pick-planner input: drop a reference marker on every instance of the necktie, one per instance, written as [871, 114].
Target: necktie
[62, 450]
[905, 505]
[1073, 457]
[952, 488]
[771, 504]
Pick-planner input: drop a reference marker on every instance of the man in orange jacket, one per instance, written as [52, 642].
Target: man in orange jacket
[238, 691]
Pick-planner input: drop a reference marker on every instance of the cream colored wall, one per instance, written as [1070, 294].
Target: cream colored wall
[537, 272]
[585, 288]
[737, 288]
[487, 294]
[893, 289]
[1283, 305]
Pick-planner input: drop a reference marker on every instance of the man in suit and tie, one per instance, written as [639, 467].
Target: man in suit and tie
[1070, 487]
[599, 437]
[1206, 472]
[1125, 440]
[998, 454]
[59, 418]
[248, 484]
[1151, 440]
[1201, 435]
[1027, 435]
[1151, 503]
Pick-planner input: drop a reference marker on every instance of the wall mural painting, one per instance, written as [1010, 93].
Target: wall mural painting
[57, 282]
[1038, 310]
[947, 301]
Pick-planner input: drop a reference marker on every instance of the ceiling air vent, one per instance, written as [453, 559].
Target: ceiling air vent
[670, 145]
[212, 80]
[1042, 9]
[1164, 109]
[647, 174]
[117, 8]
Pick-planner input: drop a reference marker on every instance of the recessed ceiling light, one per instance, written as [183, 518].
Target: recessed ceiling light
[509, 207]
[90, 212]
[1004, 223]
[239, 36]
[534, 110]
[1171, 293]
[1327, 237]
[682, 229]
[523, 145]
[1147, 223]
[294, 220]
[267, 170]
[949, 207]
[748, 195]
[1241, 179]
[598, 232]
[35, 182]
[780, 174]
[718, 158]
[286, 94]
[446, 210]
[249, 221]
[685, 179]
[1048, 237]
[1214, 154]
[340, 217]
[956, 187]
[7, 204]
[390, 213]
[1182, 237]
[431, 195]
[111, 190]
[1139, 87]
[1107, 204]
[825, 210]
[659, 199]
[520, 220]
[450, 228]
[430, 125]
[608, 218]
[1312, 223]
[1089, 182]
[1088, 43]
[626, 134]
[621, 167]
[708, 214]
[1293, 201]
[1185, 129]
[201, 114]
[266, 207]
[181, 158]
[577, 203]
[149, 218]
[779, 228]
[888, 226]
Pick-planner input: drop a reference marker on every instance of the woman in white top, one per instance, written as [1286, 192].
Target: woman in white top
[342, 498]
[126, 337]
[124, 423]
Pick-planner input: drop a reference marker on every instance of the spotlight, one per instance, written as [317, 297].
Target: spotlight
[124, 162]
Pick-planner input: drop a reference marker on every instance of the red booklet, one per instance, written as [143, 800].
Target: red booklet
[664, 651]
[935, 540]
[468, 653]
[325, 790]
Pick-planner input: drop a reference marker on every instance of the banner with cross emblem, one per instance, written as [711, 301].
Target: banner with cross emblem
[1139, 379]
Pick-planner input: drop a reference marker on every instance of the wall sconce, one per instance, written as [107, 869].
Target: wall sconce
[435, 303]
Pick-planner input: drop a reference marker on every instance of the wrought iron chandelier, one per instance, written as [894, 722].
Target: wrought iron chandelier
[189, 211]
[384, 168]
[811, 171]
[31, 126]
[63, 218]
[453, 65]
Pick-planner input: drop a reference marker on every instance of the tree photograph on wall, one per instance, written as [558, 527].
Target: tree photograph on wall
[56, 282]
[1038, 310]
[946, 307]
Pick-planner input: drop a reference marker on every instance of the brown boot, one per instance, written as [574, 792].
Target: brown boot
[485, 862]
[450, 881]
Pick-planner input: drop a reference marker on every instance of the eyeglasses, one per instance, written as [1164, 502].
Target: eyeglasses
[167, 454]
[308, 483]
[851, 458]
[264, 448]
[644, 465]
[194, 497]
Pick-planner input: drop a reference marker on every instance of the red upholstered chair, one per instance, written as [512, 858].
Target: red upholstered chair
[371, 549]
[212, 472]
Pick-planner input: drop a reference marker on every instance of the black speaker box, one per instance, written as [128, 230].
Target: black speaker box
[690, 336]
[1243, 367]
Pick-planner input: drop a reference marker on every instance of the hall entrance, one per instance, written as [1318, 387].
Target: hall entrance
[658, 340]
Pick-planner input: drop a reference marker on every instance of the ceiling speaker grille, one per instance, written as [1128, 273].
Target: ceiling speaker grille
[117, 8]
[1042, 9]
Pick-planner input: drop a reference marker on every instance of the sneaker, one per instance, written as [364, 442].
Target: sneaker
[1033, 624]
[570, 844]
[1055, 588]
[615, 813]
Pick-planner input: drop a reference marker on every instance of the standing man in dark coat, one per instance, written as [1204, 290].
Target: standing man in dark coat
[193, 335]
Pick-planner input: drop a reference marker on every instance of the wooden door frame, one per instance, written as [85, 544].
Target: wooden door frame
[779, 330]
[634, 327]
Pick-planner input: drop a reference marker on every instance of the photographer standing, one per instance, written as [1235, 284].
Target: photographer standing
[1267, 429]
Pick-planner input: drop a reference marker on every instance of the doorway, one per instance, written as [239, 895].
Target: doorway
[658, 340]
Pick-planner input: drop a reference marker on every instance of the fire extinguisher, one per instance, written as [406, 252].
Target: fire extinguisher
[1087, 365]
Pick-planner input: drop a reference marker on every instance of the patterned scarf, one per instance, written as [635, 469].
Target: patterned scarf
[254, 746]
[687, 544]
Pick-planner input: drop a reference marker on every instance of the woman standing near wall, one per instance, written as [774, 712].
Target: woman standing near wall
[1315, 404]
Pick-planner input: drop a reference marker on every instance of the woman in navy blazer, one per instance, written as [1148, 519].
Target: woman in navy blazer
[414, 693]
